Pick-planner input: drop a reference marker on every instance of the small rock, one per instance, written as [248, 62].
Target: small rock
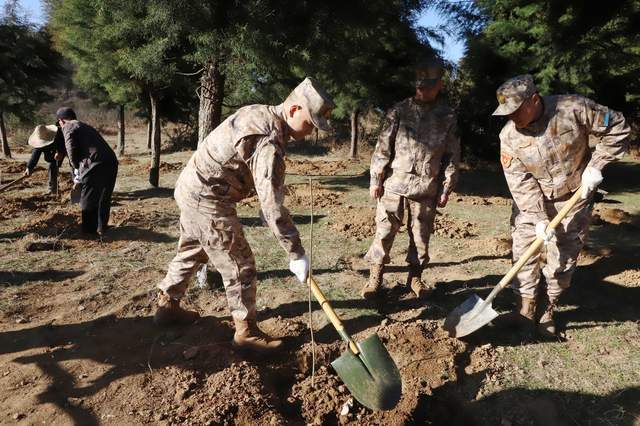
[81, 308]
[74, 402]
[384, 322]
[190, 353]
[22, 320]
[341, 389]
[18, 416]
[486, 346]
[346, 407]
[181, 394]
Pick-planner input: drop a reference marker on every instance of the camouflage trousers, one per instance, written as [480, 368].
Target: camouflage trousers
[389, 217]
[214, 234]
[561, 252]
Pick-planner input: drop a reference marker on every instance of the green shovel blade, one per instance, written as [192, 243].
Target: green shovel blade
[371, 376]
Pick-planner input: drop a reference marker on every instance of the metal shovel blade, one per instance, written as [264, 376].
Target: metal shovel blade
[471, 315]
[371, 376]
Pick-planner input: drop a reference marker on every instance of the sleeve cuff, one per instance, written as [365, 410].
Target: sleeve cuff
[295, 255]
[376, 179]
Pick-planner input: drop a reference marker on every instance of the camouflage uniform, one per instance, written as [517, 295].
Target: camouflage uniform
[543, 165]
[416, 158]
[243, 155]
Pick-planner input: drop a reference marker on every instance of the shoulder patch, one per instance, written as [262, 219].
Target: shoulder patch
[505, 159]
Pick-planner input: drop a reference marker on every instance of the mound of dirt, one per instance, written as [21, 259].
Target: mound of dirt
[17, 206]
[450, 227]
[423, 353]
[316, 168]
[164, 166]
[299, 196]
[354, 222]
[52, 224]
[615, 217]
[480, 201]
[359, 223]
[236, 395]
[499, 247]
[127, 160]
[13, 167]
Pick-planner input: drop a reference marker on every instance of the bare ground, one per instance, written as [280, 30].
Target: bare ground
[77, 344]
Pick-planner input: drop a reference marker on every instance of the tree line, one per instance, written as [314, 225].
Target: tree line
[196, 61]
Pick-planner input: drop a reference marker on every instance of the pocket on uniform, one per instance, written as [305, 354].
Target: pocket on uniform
[218, 234]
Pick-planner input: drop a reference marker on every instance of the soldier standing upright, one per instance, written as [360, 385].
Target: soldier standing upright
[545, 155]
[414, 166]
[242, 156]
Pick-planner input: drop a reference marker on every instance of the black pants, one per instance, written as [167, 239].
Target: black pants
[95, 198]
[53, 177]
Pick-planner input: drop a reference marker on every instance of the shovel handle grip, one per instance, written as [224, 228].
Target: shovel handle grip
[535, 246]
[331, 314]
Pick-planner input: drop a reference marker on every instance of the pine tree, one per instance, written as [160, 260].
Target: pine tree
[29, 67]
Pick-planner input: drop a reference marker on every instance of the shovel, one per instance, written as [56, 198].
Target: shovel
[474, 312]
[13, 182]
[365, 367]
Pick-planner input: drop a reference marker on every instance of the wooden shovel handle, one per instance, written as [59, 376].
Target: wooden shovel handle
[10, 184]
[328, 310]
[533, 249]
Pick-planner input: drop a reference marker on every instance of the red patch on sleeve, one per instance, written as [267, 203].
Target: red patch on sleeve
[505, 159]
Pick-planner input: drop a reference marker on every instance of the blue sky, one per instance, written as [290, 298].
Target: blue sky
[452, 49]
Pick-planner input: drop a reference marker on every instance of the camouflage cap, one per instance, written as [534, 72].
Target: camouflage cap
[513, 92]
[310, 94]
[429, 72]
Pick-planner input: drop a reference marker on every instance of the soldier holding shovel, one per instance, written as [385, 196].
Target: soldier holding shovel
[545, 155]
[243, 155]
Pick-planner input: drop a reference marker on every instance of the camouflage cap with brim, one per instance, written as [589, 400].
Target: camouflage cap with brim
[513, 92]
[312, 95]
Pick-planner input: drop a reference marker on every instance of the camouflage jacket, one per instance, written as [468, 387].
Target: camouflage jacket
[242, 156]
[546, 159]
[418, 150]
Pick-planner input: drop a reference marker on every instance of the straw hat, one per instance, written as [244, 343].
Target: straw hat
[43, 135]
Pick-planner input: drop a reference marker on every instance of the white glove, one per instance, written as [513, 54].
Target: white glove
[591, 178]
[76, 176]
[300, 268]
[540, 232]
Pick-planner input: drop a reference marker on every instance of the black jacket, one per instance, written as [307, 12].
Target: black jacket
[85, 147]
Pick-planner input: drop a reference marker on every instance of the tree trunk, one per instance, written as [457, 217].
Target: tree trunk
[154, 170]
[120, 130]
[149, 129]
[354, 132]
[211, 96]
[3, 135]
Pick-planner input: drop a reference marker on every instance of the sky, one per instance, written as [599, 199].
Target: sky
[452, 49]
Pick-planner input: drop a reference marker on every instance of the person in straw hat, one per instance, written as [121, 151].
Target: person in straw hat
[242, 156]
[47, 140]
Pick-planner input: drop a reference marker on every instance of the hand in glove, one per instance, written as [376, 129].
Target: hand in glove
[300, 268]
[540, 232]
[591, 178]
